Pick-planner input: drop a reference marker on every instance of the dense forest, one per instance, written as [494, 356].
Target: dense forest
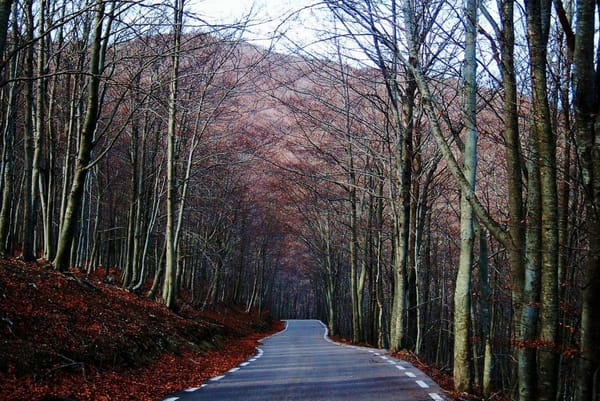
[425, 177]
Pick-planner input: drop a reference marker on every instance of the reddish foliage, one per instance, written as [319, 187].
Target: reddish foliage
[73, 336]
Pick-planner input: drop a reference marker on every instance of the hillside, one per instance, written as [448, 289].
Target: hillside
[82, 338]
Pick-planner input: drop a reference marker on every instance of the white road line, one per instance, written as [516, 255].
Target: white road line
[233, 370]
[385, 358]
[214, 379]
[245, 364]
[252, 360]
[410, 374]
[191, 390]
[422, 384]
[171, 399]
[436, 396]
[326, 334]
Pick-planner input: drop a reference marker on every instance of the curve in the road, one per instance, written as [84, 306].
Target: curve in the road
[303, 363]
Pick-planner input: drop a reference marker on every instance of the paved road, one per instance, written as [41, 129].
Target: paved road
[301, 363]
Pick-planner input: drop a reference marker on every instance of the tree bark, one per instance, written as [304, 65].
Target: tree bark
[8, 140]
[29, 193]
[587, 106]
[169, 292]
[538, 23]
[463, 372]
[67, 231]
[40, 117]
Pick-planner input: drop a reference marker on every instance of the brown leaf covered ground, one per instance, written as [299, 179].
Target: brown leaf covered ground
[77, 337]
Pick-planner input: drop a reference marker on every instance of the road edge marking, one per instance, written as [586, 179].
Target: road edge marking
[276, 334]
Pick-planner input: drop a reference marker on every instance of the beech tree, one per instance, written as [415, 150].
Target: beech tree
[169, 293]
[8, 142]
[99, 40]
[463, 377]
[587, 105]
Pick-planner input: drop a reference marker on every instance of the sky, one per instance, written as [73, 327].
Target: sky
[230, 9]
[301, 27]
[269, 16]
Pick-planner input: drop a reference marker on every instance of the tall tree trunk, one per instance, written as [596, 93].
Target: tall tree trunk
[67, 231]
[40, 116]
[154, 210]
[463, 373]
[486, 311]
[515, 246]
[134, 202]
[538, 25]
[48, 178]
[353, 254]
[28, 245]
[587, 107]
[527, 328]
[8, 141]
[402, 108]
[169, 284]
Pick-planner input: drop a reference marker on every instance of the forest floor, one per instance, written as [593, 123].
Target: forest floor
[80, 338]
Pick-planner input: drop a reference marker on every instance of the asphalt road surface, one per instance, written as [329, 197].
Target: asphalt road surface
[301, 363]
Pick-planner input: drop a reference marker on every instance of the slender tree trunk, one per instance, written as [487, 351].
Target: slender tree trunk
[515, 245]
[330, 277]
[40, 116]
[67, 231]
[587, 107]
[538, 24]
[8, 138]
[128, 276]
[48, 178]
[140, 215]
[463, 374]
[412, 328]
[29, 193]
[169, 294]
[353, 254]
[486, 312]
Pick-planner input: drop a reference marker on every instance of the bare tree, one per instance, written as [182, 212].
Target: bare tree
[463, 376]
[100, 37]
[587, 106]
[169, 292]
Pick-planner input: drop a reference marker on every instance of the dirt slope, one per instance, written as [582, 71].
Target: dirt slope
[72, 336]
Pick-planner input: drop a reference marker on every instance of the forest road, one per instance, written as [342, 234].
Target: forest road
[301, 363]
